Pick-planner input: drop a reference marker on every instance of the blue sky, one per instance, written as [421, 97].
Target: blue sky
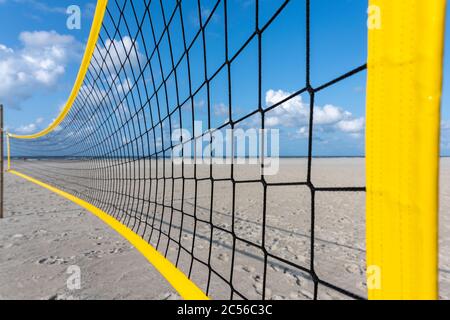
[32, 102]
[39, 57]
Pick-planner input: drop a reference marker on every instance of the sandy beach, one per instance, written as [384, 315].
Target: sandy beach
[43, 234]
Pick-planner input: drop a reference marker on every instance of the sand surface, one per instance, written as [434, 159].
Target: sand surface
[444, 230]
[44, 234]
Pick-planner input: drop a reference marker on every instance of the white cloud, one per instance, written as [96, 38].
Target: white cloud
[199, 103]
[291, 114]
[26, 129]
[295, 113]
[115, 53]
[4, 49]
[329, 114]
[38, 64]
[220, 110]
[88, 89]
[51, 40]
[29, 128]
[352, 126]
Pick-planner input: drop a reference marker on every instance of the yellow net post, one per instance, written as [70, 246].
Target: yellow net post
[8, 152]
[403, 116]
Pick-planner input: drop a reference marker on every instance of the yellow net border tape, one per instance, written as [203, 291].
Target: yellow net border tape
[185, 287]
[90, 48]
[177, 279]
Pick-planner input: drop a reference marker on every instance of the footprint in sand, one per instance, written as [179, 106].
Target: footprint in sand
[362, 286]
[353, 268]
[278, 297]
[258, 279]
[52, 260]
[306, 294]
[259, 287]
[248, 269]
[93, 254]
[275, 268]
[169, 296]
[223, 257]
[40, 232]
[328, 296]
[18, 237]
[62, 297]
[116, 250]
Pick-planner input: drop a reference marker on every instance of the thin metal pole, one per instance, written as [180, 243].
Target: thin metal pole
[2, 169]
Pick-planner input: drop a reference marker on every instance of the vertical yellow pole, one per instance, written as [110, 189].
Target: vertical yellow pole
[403, 115]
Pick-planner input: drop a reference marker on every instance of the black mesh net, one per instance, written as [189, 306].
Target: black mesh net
[236, 231]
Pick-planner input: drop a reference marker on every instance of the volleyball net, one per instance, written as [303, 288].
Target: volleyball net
[158, 86]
